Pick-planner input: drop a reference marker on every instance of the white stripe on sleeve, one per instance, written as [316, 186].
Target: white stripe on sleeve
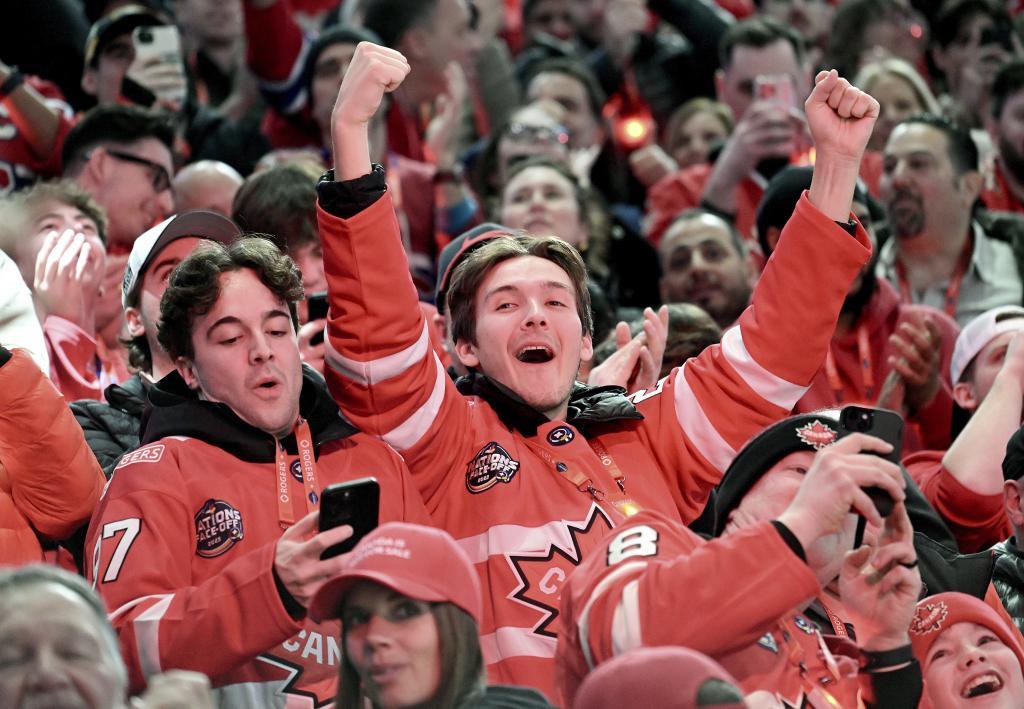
[769, 386]
[626, 622]
[147, 636]
[698, 428]
[377, 370]
[406, 434]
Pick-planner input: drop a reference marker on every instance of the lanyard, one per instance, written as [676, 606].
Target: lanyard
[952, 290]
[285, 513]
[867, 375]
[837, 623]
[618, 498]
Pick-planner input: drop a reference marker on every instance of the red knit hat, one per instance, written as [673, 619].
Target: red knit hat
[938, 613]
[668, 677]
[420, 562]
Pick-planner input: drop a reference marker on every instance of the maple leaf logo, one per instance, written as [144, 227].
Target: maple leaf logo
[541, 575]
[928, 618]
[816, 434]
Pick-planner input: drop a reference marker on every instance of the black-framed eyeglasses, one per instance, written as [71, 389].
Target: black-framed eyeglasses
[158, 173]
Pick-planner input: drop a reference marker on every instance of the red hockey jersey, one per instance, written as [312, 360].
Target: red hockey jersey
[183, 549]
[503, 484]
[654, 582]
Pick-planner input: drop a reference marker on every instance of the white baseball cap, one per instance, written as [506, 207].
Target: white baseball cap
[979, 332]
[200, 223]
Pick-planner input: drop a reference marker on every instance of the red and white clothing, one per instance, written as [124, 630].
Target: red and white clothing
[861, 361]
[20, 166]
[183, 546]
[513, 490]
[80, 365]
[654, 582]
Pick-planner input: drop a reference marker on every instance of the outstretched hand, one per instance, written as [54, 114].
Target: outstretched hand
[840, 117]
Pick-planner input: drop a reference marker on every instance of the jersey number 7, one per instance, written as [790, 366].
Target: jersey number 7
[130, 528]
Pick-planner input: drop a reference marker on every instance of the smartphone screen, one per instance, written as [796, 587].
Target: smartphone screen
[354, 503]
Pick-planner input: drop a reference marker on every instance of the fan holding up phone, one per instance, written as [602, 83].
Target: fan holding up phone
[158, 65]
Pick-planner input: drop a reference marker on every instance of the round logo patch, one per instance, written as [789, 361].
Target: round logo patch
[218, 528]
[928, 618]
[492, 465]
[296, 469]
[560, 436]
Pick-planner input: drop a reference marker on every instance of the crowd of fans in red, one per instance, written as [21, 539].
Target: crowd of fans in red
[613, 300]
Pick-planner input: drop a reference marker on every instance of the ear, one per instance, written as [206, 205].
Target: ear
[992, 128]
[1011, 502]
[466, 353]
[133, 318]
[750, 264]
[587, 350]
[970, 184]
[187, 369]
[964, 396]
[89, 81]
[720, 87]
[941, 59]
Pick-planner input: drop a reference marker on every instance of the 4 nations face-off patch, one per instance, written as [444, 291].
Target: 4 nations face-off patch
[492, 465]
[218, 528]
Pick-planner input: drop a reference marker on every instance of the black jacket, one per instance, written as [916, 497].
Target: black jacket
[112, 428]
[1008, 578]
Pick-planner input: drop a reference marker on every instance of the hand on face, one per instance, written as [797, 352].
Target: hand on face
[67, 279]
[840, 117]
[880, 585]
[767, 130]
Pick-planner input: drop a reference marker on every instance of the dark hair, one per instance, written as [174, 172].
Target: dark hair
[336, 34]
[955, 14]
[691, 108]
[578, 70]
[471, 272]
[1009, 81]
[195, 285]
[114, 124]
[281, 202]
[593, 212]
[392, 19]
[462, 664]
[757, 32]
[960, 147]
[846, 36]
[690, 331]
[62, 191]
[696, 213]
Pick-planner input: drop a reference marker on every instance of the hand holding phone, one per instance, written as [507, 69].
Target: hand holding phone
[880, 423]
[355, 503]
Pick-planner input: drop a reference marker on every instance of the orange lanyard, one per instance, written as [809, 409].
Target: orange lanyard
[307, 466]
[837, 623]
[866, 373]
[952, 290]
[618, 498]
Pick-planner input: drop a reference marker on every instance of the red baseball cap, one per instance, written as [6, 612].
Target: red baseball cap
[669, 677]
[420, 562]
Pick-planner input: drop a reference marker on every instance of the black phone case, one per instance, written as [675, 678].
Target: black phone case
[884, 424]
[354, 503]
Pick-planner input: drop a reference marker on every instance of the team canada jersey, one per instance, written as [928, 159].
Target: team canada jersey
[19, 165]
[183, 549]
[654, 582]
[509, 491]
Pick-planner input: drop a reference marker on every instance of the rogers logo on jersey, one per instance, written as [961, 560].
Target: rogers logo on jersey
[218, 528]
[148, 454]
[492, 465]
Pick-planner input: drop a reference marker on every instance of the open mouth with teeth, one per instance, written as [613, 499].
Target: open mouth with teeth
[982, 685]
[535, 354]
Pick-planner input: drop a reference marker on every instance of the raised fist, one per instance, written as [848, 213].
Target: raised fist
[840, 117]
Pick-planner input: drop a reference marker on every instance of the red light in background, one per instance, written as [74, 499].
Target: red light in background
[916, 31]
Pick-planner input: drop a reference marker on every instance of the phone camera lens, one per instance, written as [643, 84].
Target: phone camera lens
[145, 36]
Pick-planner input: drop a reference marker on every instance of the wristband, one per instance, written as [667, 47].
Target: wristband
[884, 659]
[14, 79]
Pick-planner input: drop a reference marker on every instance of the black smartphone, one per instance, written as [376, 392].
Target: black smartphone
[355, 503]
[880, 423]
[316, 309]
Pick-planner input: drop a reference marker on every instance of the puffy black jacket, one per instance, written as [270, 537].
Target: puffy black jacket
[1008, 578]
[112, 428]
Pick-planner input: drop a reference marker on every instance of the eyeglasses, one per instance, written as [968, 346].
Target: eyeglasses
[522, 133]
[158, 174]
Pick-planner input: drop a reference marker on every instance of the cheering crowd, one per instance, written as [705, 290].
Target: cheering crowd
[462, 353]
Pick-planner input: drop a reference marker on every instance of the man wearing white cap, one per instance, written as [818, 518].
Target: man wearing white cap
[965, 483]
[112, 428]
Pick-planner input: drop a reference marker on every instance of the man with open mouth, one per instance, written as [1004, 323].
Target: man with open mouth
[523, 466]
